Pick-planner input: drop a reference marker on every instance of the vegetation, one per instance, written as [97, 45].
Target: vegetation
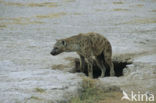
[94, 93]
[39, 90]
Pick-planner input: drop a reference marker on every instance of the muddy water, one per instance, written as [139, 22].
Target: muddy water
[28, 30]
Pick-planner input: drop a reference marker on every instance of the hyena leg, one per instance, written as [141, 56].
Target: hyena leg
[90, 67]
[108, 60]
[82, 63]
[100, 64]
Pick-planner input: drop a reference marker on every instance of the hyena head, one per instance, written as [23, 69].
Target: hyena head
[65, 45]
[59, 47]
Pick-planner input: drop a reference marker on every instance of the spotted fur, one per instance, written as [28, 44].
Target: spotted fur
[89, 46]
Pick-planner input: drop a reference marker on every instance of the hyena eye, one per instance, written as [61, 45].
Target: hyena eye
[64, 43]
[55, 48]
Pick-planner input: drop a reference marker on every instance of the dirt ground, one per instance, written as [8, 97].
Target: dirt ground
[29, 29]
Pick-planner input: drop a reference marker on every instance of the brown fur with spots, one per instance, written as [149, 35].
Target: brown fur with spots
[90, 47]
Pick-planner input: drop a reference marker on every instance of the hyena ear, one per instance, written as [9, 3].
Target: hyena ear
[64, 43]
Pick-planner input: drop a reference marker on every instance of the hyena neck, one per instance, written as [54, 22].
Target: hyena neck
[73, 47]
[73, 44]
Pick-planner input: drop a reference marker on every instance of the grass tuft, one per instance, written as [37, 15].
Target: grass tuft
[119, 2]
[34, 97]
[92, 92]
[40, 90]
[120, 9]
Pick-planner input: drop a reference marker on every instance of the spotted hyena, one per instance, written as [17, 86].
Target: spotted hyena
[90, 47]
